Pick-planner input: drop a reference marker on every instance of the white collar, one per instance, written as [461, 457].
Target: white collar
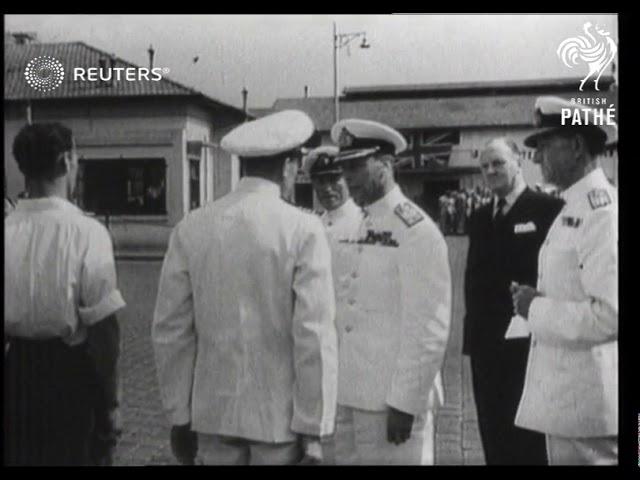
[256, 184]
[512, 196]
[389, 201]
[342, 210]
[44, 203]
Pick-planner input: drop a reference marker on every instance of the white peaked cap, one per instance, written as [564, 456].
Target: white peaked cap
[269, 135]
[548, 118]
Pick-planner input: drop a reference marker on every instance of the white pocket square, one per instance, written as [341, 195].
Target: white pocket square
[524, 227]
[518, 328]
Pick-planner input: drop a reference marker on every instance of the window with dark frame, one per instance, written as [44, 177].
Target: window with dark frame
[409, 138]
[122, 186]
[440, 137]
[194, 183]
[435, 147]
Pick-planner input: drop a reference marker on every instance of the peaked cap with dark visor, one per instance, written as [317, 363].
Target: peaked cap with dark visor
[361, 138]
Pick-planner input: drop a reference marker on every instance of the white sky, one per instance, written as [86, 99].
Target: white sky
[275, 56]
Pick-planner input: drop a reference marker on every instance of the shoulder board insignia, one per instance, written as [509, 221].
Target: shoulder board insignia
[409, 214]
[599, 197]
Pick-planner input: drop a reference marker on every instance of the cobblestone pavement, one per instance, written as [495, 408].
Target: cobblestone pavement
[457, 436]
[145, 439]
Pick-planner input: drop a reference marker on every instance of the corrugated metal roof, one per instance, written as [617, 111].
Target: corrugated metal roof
[260, 112]
[420, 113]
[440, 112]
[79, 54]
[478, 87]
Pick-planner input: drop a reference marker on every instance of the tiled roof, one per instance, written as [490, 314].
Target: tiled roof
[440, 112]
[79, 54]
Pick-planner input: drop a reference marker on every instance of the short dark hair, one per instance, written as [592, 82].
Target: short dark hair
[264, 164]
[38, 146]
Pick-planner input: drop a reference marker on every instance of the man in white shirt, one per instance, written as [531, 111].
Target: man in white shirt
[571, 386]
[394, 307]
[243, 329]
[60, 299]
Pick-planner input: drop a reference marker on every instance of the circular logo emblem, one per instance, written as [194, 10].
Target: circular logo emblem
[44, 73]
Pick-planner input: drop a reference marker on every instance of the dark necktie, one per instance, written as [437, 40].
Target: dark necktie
[500, 210]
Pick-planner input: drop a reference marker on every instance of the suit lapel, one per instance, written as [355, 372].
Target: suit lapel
[518, 208]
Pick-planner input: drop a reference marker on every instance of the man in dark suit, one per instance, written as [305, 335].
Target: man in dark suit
[504, 238]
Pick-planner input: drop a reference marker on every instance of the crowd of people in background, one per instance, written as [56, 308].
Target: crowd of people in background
[455, 207]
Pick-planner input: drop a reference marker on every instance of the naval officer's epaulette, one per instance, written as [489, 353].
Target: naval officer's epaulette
[409, 214]
[599, 197]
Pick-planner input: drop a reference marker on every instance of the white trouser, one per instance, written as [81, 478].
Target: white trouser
[582, 451]
[360, 438]
[224, 450]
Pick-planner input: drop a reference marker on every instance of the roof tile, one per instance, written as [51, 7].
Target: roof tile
[79, 54]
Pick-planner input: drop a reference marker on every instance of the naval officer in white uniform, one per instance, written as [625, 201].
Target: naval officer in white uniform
[243, 330]
[341, 217]
[393, 310]
[571, 386]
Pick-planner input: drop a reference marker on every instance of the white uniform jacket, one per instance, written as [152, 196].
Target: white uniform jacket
[244, 330]
[344, 221]
[393, 308]
[571, 386]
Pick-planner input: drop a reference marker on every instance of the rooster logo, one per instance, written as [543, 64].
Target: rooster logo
[597, 53]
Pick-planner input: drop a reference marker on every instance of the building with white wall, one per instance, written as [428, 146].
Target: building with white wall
[148, 149]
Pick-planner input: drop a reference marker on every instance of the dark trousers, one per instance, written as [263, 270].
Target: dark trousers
[498, 378]
[49, 397]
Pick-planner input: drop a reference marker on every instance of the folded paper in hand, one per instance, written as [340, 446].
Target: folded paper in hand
[518, 328]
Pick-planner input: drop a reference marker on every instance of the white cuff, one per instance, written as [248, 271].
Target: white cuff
[107, 306]
[324, 428]
[538, 311]
[180, 417]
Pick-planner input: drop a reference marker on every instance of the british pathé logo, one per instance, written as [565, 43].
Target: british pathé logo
[596, 49]
[580, 115]
[44, 73]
